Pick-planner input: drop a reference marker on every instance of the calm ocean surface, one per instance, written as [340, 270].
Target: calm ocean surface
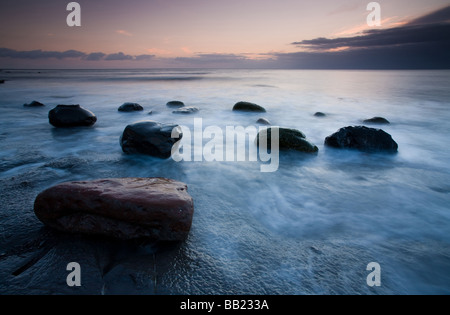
[312, 227]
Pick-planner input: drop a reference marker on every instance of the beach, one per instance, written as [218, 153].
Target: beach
[311, 227]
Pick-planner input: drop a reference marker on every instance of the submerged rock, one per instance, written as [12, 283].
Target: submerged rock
[320, 114]
[123, 208]
[186, 110]
[377, 120]
[130, 107]
[248, 107]
[363, 139]
[176, 104]
[289, 139]
[263, 121]
[34, 104]
[71, 116]
[149, 138]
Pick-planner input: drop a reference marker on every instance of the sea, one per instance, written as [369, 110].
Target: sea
[314, 226]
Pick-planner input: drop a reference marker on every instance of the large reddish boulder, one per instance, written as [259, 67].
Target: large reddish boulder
[121, 208]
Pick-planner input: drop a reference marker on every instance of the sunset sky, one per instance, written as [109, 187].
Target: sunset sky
[196, 33]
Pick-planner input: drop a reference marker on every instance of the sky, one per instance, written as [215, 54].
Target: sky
[225, 34]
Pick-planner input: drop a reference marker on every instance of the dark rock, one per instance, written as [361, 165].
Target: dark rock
[34, 104]
[186, 110]
[2, 81]
[377, 120]
[248, 107]
[320, 114]
[123, 208]
[363, 139]
[71, 116]
[131, 107]
[289, 139]
[263, 121]
[176, 104]
[149, 138]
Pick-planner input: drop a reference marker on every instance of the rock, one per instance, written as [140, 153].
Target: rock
[377, 120]
[71, 116]
[363, 139]
[34, 104]
[248, 107]
[263, 121]
[150, 113]
[177, 104]
[289, 139]
[123, 208]
[186, 110]
[131, 107]
[2, 81]
[320, 114]
[149, 138]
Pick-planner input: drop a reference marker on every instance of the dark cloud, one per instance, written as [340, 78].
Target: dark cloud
[39, 54]
[225, 61]
[118, 57]
[412, 56]
[95, 56]
[442, 15]
[421, 44]
[215, 59]
[220, 57]
[144, 57]
[74, 54]
[389, 37]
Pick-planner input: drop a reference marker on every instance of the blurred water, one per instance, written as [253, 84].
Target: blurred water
[310, 228]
